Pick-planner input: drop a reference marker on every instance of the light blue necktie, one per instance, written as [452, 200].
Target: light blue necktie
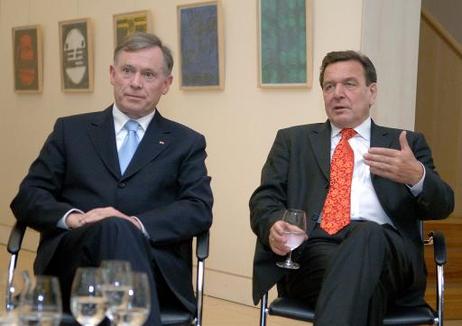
[129, 145]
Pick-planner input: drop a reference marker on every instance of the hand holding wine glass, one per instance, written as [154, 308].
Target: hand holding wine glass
[294, 233]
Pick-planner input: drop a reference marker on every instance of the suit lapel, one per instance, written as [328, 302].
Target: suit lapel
[380, 136]
[388, 192]
[102, 135]
[156, 139]
[320, 139]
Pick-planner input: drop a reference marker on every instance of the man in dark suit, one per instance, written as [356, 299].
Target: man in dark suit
[350, 274]
[88, 207]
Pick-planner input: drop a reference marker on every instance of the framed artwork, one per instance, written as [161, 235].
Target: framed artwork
[285, 43]
[27, 59]
[201, 46]
[128, 23]
[76, 54]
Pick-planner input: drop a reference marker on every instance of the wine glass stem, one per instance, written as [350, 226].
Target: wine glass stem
[289, 258]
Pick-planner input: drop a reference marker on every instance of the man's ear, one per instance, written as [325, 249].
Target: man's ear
[373, 92]
[167, 83]
[111, 74]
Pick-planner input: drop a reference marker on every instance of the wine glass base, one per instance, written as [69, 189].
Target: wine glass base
[288, 264]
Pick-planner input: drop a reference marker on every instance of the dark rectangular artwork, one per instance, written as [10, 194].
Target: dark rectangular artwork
[200, 47]
[27, 59]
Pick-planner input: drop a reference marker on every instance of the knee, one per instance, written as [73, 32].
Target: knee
[116, 227]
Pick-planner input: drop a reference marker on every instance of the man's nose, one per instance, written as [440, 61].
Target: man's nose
[339, 90]
[137, 81]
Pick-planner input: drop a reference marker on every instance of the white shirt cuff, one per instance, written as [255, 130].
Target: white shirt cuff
[62, 222]
[418, 187]
[142, 227]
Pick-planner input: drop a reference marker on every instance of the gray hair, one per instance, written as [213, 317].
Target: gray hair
[140, 40]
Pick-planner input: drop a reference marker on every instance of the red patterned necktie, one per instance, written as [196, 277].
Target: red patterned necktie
[336, 211]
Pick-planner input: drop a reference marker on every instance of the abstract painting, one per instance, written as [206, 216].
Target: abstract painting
[201, 46]
[76, 53]
[27, 59]
[128, 23]
[285, 43]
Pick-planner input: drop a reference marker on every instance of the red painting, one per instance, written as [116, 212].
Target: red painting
[27, 59]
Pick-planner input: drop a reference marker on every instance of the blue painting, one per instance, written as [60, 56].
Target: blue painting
[200, 46]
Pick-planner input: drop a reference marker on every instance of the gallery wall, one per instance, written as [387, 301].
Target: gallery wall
[239, 122]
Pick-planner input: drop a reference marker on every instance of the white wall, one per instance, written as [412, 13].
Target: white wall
[390, 36]
[239, 122]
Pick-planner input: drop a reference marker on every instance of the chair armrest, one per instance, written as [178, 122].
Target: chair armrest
[202, 245]
[439, 247]
[16, 237]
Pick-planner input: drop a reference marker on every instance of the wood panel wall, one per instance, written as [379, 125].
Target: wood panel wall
[439, 117]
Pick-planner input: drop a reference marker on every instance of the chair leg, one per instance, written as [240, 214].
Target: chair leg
[263, 309]
[440, 294]
[9, 295]
[200, 292]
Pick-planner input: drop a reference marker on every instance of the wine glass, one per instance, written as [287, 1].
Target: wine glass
[14, 285]
[138, 307]
[295, 234]
[117, 279]
[88, 304]
[9, 300]
[40, 302]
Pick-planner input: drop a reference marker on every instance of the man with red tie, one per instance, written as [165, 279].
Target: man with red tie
[365, 188]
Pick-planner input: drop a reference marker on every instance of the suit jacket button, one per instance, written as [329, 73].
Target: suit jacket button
[122, 185]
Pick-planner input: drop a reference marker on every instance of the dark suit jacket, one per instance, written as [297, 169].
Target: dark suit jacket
[166, 186]
[296, 175]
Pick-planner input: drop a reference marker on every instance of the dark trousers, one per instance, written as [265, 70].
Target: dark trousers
[350, 277]
[111, 238]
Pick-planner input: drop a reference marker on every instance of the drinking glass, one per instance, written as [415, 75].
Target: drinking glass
[9, 300]
[88, 304]
[295, 234]
[117, 279]
[40, 302]
[138, 307]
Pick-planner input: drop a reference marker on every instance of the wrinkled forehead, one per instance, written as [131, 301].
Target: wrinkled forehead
[344, 70]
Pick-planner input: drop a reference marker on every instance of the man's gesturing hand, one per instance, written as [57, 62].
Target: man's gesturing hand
[397, 165]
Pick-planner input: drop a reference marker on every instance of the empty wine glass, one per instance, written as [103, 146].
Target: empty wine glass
[40, 302]
[295, 234]
[88, 304]
[117, 279]
[138, 306]
[9, 301]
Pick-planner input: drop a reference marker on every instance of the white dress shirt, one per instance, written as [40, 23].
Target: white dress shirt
[121, 118]
[365, 204]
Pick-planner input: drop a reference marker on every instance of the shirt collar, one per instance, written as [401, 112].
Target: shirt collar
[121, 118]
[363, 130]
